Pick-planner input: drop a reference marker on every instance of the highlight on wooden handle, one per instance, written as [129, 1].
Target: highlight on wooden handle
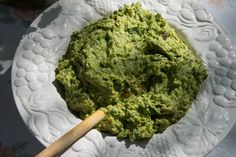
[72, 136]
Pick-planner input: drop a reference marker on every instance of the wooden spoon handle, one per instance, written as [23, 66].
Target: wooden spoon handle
[72, 136]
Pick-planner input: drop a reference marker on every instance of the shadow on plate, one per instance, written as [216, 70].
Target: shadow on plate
[49, 16]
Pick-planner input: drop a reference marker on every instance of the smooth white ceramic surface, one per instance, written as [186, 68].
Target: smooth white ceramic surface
[45, 112]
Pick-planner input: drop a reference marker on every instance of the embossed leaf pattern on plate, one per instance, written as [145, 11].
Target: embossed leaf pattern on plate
[200, 127]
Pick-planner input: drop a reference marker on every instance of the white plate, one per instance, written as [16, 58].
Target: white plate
[208, 121]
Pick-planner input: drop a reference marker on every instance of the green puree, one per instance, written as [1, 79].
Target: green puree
[134, 66]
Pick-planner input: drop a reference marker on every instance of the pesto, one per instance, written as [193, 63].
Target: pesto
[134, 66]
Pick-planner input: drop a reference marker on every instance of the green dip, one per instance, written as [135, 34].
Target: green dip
[136, 68]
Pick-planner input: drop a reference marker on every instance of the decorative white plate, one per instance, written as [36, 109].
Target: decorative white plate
[209, 120]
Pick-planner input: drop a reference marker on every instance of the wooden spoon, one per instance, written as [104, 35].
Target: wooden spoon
[72, 136]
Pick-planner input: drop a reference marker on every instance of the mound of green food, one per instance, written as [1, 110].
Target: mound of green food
[134, 66]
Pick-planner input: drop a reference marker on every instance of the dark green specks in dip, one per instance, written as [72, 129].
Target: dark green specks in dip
[134, 66]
